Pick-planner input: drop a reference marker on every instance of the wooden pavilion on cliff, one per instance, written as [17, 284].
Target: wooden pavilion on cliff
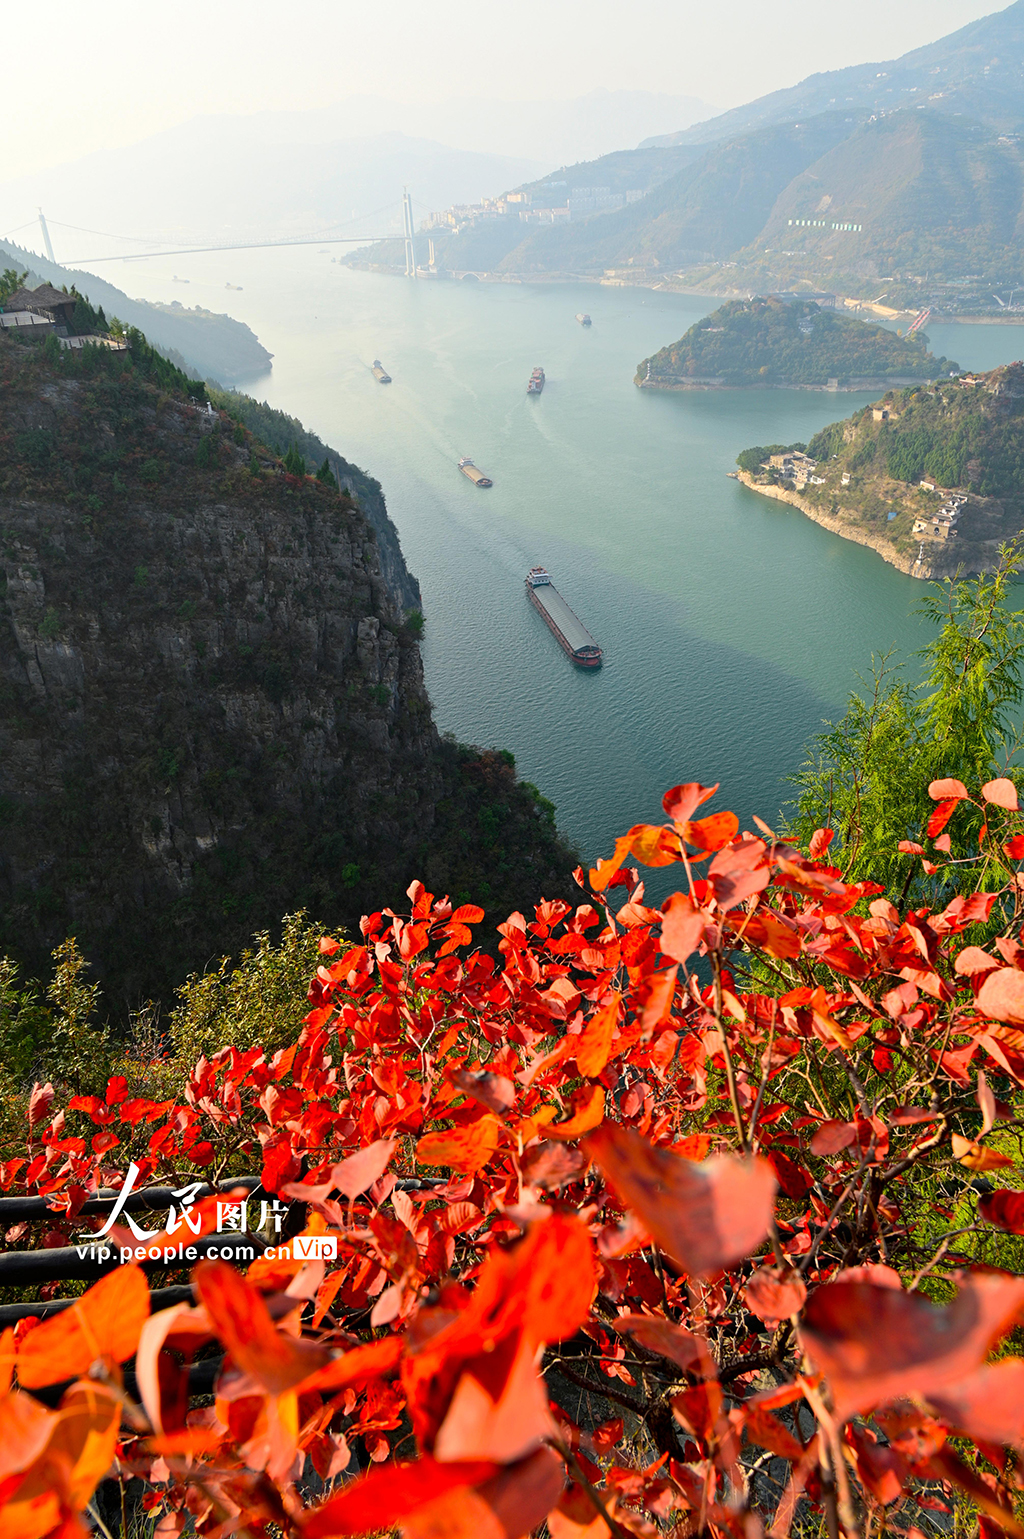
[46, 301]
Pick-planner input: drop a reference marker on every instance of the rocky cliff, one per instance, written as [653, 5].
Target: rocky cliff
[211, 708]
[282, 432]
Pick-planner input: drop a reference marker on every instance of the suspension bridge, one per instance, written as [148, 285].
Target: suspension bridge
[157, 248]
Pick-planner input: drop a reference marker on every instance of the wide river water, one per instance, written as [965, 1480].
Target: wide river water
[731, 625]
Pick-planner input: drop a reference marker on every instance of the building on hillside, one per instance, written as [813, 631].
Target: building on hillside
[797, 467]
[51, 303]
[935, 528]
[593, 200]
[25, 321]
[822, 299]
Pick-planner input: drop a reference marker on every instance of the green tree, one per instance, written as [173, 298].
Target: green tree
[867, 776]
[326, 475]
[260, 999]
[294, 462]
[10, 281]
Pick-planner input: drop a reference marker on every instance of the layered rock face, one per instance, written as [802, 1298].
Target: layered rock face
[211, 708]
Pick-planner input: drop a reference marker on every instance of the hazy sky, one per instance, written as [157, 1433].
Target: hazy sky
[112, 71]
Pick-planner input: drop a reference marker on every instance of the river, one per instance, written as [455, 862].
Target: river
[731, 625]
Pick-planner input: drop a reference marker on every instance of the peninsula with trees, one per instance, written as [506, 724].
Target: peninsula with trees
[789, 341]
[931, 477]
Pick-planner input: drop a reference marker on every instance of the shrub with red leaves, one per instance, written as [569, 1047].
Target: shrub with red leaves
[708, 1246]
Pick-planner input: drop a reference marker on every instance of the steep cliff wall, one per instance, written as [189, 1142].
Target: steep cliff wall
[280, 431]
[211, 709]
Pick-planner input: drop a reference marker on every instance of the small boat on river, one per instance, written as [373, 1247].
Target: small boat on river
[473, 474]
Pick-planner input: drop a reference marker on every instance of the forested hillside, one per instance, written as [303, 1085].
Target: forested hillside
[213, 346]
[958, 435]
[213, 704]
[771, 342]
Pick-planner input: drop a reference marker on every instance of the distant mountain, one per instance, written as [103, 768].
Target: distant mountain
[857, 190]
[978, 71]
[227, 177]
[716, 201]
[932, 196]
[222, 179]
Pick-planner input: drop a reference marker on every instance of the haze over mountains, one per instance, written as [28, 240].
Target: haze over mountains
[909, 172]
[977, 71]
[288, 173]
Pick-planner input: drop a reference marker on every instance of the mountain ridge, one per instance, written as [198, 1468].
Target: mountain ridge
[857, 85]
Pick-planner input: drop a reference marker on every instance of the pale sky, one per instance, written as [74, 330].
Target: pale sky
[110, 72]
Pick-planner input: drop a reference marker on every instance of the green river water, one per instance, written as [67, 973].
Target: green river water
[731, 625]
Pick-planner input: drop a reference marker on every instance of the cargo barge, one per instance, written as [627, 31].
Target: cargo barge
[571, 633]
[536, 383]
[584, 319]
[476, 476]
[380, 372]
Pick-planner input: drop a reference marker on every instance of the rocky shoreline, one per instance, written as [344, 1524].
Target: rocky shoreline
[932, 565]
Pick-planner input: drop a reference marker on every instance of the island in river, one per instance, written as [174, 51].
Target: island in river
[931, 477]
[789, 342]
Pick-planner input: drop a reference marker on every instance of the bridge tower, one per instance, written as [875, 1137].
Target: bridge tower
[46, 236]
[409, 230]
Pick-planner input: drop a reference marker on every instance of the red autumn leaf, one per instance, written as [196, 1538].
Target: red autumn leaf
[241, 1319]
[355, 1175]
[820, 841]
[659, 1335]
[1014, 847]
[467, 1148]
[552, 1165]
[1001, 793]
[39, 1102]
[500, 1413]
[385, 1496]
[773, 1297]
[972, 961]
[833, 1136]
[494, 1091]
[682, 801]
[704, 1216]
[649, 842]
[976, 1157]
[792, 1180]
[468, 913]
[739, 871]
[360, 1366]
[941, 816]
[875, 1344]
[587, 1113]
[947, 790]
[766, 1431]
[682, 927]
[104, 1323]
[1002, 996]
[714, 832]
[511, 1504]
[180, 1327]
[594, 1044]
[1004, 1208]
[987, 1404]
